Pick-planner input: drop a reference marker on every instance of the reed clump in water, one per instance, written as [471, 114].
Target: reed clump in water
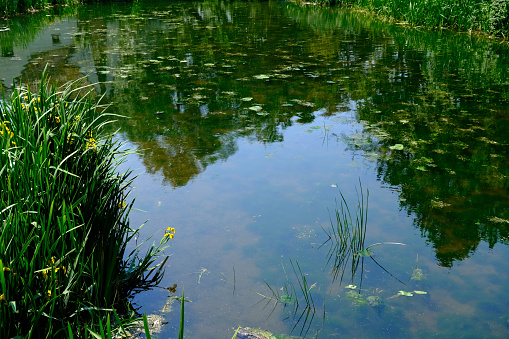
[64, 225]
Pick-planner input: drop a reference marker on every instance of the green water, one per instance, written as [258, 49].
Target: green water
[249, 120]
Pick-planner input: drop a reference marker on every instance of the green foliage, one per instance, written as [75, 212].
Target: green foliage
[63, 216]
[485, 15]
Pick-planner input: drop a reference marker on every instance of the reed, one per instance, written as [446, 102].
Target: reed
[490, 16]
[347, 235]
[64, 224]
[299, 301]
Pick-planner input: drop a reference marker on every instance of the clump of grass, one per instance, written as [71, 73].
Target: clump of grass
[490, 16]
[64, 222]
[300, 302]
[347, 235]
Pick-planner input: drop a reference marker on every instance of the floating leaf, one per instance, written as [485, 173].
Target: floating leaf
[352, 287]
[288, 299]
[261, 76]
[406, 294]
[256, 108]
[404, 121]
[315, 127]
[420, 292]
[422, 168]
[209, 64]
[333, 185]
[397, 147]
[246, 99]
[364, 253]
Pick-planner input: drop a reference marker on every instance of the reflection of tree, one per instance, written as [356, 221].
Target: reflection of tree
[442, 103]
[183, 82]
[184, 76]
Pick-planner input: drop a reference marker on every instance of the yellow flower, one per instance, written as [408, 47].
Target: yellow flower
[169, 232]
[7, 269]
[91, 143]
[3, 127]
[57, 120]
[122, 204]
[2, 297]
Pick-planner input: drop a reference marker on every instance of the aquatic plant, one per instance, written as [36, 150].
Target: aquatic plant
[347, 237]
[488, 16]
[302, 305]
[64, 227]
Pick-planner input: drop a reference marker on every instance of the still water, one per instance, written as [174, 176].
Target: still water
[253, 121]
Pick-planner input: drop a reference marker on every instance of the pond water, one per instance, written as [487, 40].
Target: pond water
[252, 122]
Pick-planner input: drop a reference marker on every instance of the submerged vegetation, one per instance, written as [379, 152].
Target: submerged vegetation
[490, 16]
[64, 263]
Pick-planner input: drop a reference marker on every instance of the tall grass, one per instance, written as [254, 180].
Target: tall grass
[347, 235]
[11, 7]
[483, 15]
[300, 301]
[64, 225]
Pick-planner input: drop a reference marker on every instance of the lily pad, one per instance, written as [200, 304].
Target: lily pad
[420, 292]
[397, 147]
[246, 99]
[261, 76]
[357, 298]
[406, 294]
[352, 287]
[364, 253]
[256, 108]
[287, 299]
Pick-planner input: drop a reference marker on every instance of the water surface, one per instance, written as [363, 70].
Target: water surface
[250, 120]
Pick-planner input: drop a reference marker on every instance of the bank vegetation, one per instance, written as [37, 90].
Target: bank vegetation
[488, 16]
